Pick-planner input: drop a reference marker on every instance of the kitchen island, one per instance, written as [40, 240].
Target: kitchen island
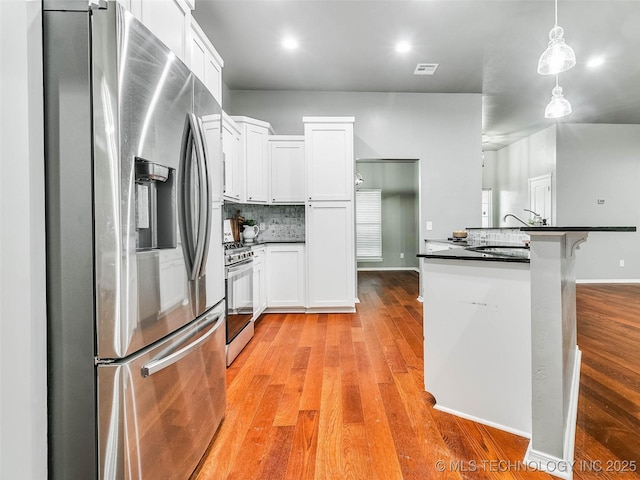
[500, 339]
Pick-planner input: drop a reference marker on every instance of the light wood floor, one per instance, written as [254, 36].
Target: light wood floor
[340, 396]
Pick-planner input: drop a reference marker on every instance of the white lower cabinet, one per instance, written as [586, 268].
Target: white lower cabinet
[286, 276]
[331, 261]
[259, 281]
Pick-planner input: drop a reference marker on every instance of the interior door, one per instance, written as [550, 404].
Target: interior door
[540, 197]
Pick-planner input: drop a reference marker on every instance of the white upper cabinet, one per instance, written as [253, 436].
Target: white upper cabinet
[233, 170]
[329, 158]
[205, 61]
[286, 154]
[169, 20]
[212, 137]
[254, 153]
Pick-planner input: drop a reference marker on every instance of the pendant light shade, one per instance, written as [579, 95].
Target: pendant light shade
[558, 106]
[558, 57]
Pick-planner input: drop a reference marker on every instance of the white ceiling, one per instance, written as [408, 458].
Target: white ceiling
[481, 46]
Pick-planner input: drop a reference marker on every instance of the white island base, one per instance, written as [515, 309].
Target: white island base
[477, 341]
[500, 344]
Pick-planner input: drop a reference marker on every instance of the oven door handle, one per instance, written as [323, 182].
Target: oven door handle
[238, 270]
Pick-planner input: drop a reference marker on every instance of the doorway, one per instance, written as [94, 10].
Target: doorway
[397, 181]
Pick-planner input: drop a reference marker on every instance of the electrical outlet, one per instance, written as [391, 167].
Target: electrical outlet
[429, 225]
[262, 226]
[402, 255]
[622, 263]
[601, 201]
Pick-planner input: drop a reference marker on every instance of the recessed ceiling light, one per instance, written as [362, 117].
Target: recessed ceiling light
[289, 43]
[403, 47]
[595, 62]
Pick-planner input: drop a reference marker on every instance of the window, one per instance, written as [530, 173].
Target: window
[369, 225]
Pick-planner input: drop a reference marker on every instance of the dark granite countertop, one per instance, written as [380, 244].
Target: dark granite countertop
[473, 254]
[578, 229]
[270, 242]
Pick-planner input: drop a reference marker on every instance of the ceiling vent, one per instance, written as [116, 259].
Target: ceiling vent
[425, 69]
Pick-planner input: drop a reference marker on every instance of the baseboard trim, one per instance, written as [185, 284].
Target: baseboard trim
[285, 310]
[388, 269]
[489, 423]
[609, 280]
[561, 467]
[331, 310]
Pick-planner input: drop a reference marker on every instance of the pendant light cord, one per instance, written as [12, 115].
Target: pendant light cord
[556, 13]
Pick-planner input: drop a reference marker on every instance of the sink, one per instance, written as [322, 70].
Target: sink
[518, 251]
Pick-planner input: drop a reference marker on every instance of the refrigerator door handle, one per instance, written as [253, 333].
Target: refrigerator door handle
[160, 364]
[184, 206]
[203, 198]
[206, 180]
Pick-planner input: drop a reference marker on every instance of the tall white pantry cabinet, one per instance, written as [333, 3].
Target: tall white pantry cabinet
[330, 225]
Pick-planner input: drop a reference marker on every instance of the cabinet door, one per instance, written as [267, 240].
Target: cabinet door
[168, 20]
[285, 281]
[211, 126]
[330, 255]
[198, 57]
[259, 282]
[232, 173]
[213, 77]
[256, 158]
[215, 258]
[329, 161]
[287, 170]
[205, 61]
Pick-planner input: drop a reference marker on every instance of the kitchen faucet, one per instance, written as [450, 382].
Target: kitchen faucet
[537, 218]
[504, 219]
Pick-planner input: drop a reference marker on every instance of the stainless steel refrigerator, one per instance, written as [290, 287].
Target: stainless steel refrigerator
[136, 334]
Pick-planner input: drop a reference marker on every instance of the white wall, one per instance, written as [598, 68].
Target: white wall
[442, 130]
[507, 173]
[601, 161]
[23, 368]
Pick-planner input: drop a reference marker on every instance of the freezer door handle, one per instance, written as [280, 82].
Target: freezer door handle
[155, 366]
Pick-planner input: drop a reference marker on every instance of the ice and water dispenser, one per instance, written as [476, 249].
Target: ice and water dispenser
[155, 205]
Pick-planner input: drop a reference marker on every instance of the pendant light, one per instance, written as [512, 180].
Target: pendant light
[558, 57]
[558, 106]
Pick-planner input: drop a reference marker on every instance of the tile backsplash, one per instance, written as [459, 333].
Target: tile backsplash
[496, 235]
[281, 223]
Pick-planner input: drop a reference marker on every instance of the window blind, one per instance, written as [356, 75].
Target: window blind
[369, 225]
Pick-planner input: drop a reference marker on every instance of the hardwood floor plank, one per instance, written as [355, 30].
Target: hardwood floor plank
[330, 453]
[302, 460]
[277, 460]
[254, 447]
[287, 413]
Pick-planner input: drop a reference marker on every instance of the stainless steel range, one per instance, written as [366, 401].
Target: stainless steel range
[238, 268]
